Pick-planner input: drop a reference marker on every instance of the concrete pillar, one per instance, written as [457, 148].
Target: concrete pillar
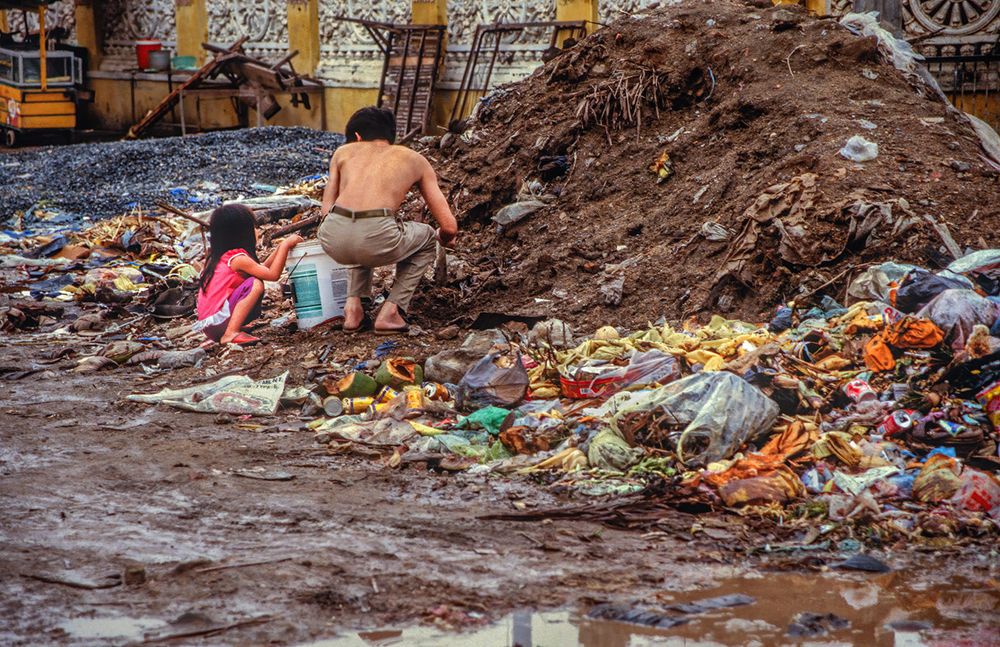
[303, 34]
[430, 12]
[88, 34]
[192, 28]
[3, 21]
[578, 10]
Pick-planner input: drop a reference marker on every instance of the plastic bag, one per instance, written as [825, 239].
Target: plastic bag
[859, 149]
[609, 451]
[720, 410]
[495, 380]
[873, 283]
[649, 367]
[978, 491]
[919, 287]
[899, 51]
[956, 312]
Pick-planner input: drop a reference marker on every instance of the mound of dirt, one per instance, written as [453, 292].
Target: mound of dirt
[688, 161]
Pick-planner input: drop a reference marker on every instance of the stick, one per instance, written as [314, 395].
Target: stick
[183, 214]
[241, 565]
[211, 631]
[819, 287]
[295, 226]
[86, 586]
[788, 59]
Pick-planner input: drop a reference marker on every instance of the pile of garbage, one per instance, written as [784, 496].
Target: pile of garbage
[141, 266]
[710, 157]
[885, 411]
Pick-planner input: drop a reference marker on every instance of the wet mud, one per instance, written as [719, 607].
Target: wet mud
[125, 523]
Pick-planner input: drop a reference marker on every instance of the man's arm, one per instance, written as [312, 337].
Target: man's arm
[332, 188]
[437, 203]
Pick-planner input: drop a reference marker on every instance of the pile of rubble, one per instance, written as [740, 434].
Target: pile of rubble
[63, 186]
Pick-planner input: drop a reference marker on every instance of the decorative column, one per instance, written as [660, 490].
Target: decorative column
[303, 34]
[577, 10]
[87, 33]
[430, 12]
[192, 28]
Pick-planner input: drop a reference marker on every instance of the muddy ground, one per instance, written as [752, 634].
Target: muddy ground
[92, 487]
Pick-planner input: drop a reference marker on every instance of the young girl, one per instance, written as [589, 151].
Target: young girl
[232, 284]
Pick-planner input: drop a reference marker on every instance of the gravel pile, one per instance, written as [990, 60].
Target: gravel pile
[107, 179]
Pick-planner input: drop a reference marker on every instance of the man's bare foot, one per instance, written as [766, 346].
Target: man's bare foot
[353, 313]
[389, 318]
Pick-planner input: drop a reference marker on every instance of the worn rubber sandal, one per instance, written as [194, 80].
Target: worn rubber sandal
[385, 332]
[243, 339]
[366, 323]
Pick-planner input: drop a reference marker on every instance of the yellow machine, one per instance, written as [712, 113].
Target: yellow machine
[38, 85]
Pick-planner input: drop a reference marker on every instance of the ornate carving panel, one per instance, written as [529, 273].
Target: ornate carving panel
[519, 54]
[954, 18]
[126, 21]
[263, 22]
[349, 56]
[62, 15]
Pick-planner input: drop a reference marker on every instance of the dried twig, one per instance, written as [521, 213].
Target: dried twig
[241, 565]
[788, 59]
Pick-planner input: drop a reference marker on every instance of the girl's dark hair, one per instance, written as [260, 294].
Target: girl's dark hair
[371, 123]
[231, 226]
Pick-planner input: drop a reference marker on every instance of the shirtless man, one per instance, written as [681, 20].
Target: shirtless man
[369, 178]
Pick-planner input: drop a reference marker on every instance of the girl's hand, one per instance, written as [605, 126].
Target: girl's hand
[292, 240]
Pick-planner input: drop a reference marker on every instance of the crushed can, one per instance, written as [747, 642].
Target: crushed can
[858, 390]
[357, 405]
[435, 391]
[895, 423]
[385, 394]
[414, 399]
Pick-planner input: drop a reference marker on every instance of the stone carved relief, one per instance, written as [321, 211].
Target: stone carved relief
[263, 22]
[952, 17]
[519, 53]
[349, 56]
[60, 15]
[126, 21]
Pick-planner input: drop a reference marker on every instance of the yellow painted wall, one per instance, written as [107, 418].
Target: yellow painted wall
[986, 107]
[112, 107]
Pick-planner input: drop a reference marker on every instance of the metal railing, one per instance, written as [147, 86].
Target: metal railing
[969, 74]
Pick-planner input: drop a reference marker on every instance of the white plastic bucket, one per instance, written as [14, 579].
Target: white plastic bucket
[319, 284]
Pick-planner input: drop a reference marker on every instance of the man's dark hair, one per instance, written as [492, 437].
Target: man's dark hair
[371, 123]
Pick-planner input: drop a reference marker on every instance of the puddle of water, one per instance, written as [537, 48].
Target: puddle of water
[110, 627]
[884, 610]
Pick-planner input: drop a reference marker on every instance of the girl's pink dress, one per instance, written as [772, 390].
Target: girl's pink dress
[216, 302]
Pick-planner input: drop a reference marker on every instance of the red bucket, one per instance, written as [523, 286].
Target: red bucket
[142, 50]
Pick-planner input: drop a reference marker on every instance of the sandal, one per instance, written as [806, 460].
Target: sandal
[243, 339]
[385, 332]
[366, 323]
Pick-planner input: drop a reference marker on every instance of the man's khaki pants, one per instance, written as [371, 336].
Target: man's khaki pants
[365, 243]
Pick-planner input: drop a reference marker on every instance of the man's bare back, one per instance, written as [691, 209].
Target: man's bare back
[378, 175]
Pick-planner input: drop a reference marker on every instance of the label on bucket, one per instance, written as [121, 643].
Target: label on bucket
[338, 281]
[305, 283]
